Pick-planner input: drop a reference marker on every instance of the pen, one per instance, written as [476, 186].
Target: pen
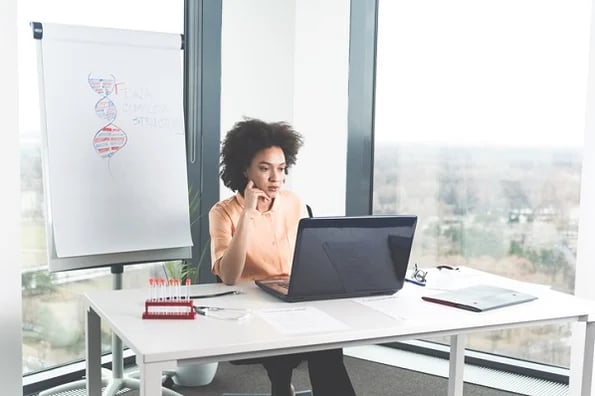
[222, 313]
[204, 311]
[226, 293]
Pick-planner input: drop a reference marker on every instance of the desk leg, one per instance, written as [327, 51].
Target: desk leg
[150, 377]
[93, 370]
[456, 365]
[587, 386]
[581, 359]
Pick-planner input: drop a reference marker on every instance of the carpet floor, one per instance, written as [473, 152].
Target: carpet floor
[368, 378]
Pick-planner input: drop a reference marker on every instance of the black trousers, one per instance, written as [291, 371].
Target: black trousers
[328, 374]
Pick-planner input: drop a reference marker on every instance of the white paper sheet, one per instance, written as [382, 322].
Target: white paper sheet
[384, 304]
[299, 320]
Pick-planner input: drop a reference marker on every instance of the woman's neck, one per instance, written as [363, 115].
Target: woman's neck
[265, 207]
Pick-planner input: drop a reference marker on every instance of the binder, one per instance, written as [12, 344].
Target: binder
[480, 298]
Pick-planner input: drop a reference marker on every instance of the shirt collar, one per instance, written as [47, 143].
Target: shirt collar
[274, 208]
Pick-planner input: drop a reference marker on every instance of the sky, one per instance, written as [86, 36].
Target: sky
[458, 72]
[497, 72]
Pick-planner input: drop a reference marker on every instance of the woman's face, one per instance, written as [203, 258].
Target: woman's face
[267, 170]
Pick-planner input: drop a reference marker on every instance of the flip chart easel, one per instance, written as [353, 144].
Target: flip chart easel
[113, 154]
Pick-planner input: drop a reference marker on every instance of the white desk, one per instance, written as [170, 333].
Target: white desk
[162, 344]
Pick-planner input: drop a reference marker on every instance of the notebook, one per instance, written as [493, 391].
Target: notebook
[348, 256]
[480, 298]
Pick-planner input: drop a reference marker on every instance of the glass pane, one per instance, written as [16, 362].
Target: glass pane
[53, 311]
[479, 131]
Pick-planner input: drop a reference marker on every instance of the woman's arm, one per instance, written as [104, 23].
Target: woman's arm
[231, 264]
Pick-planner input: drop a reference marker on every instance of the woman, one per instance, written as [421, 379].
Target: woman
[253, 235]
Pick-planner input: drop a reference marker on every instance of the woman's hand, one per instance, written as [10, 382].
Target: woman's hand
[254, 195]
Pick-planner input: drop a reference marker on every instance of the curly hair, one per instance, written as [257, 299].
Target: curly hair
[247, 138]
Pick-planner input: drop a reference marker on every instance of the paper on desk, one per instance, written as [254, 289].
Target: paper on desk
[451, 279]
[299, 320]
[384, 304]
[445, 280]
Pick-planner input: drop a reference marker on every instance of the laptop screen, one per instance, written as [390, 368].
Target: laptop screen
[351, 254]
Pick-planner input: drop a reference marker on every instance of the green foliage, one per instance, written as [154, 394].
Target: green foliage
[194, 205]
[544, 260]
[550, 260]
[515, 249]
[473, 241]
[37, 282]
[483, 242]
[185, 269]
[59, 331]
[176, 269]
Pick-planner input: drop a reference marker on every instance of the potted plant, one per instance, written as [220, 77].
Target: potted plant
[199, 374]
[191, 374]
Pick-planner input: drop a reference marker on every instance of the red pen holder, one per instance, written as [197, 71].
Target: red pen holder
[169, 310]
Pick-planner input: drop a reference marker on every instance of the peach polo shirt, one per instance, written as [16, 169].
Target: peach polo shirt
[271, 239]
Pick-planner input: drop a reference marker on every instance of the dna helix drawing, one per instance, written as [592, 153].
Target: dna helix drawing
[110, 138]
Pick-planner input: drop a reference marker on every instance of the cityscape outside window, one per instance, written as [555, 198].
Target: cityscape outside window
[480, 110]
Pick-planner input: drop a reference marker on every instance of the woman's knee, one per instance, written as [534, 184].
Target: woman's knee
[329, 356]
[281, 364]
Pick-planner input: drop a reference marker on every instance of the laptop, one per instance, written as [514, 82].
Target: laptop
[348, 256]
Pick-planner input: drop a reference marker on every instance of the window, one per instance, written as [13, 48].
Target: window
[479, 131]
[53, 312]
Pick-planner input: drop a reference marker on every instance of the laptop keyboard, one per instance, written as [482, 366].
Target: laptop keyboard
[283, 283]
[279, 286]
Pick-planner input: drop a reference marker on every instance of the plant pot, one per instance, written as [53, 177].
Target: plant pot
[195, 374]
